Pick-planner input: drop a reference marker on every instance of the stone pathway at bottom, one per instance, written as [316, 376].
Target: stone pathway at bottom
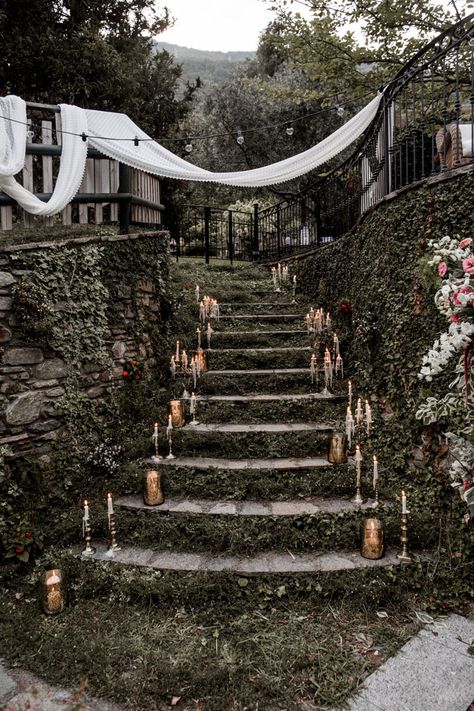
[434, 671]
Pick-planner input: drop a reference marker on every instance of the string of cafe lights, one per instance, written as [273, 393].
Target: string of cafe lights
[239, 134]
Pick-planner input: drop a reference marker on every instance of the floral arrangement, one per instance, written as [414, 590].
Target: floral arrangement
[25, 543]
[454, 261]
[132, 369]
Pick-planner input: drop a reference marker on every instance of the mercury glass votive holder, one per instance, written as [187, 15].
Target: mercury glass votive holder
[337, 449]
[372, 544]
[153, 492]
[53, 591]
[177, 413]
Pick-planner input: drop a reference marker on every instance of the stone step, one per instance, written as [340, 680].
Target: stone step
[302, 332]
[249, 463]
[271, 304]
[262, 317]
[275, 349]
[295, 507]
[274, 427]
[267, 562]
[259, 371]
[271, 398]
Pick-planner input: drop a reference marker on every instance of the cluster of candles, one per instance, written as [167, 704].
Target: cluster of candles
[375, 476]
[169, 427]
[332, 364]
[363, 418]
[281, 276]
[209, 331]
[317, 321]
[180, 363]
[86, 528]
[208, 308]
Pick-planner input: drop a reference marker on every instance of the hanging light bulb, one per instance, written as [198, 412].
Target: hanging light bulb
[290, 130]
[240, 138]
[340, 110]
[189, 146]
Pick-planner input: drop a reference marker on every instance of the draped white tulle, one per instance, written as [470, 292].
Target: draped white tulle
[114, 135]
[73, 157]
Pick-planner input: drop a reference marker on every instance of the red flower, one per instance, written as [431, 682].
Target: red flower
[28, 534]
[455, 318]
[19, 550]
[125, 373]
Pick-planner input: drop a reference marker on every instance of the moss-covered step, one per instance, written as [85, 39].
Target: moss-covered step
[258, 307]
[259, 338]
[276, 479]
[264, 380]
[247, 535]
[264, 357]
[251, 440]
[267, 563]
[272, 408]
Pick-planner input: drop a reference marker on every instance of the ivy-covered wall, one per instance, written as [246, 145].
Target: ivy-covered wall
[73, 313]
[391, 321]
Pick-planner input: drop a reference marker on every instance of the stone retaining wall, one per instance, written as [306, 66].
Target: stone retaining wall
[34, 377]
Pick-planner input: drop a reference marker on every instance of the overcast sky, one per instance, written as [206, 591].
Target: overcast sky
[223, 25]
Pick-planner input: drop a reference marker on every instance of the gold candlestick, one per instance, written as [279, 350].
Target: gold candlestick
[114, 546]
[170, 440]
[404, 556]
[88, 550]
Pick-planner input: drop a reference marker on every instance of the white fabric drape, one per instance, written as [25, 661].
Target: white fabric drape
[73, 157]
[151, 157]
[113, 135]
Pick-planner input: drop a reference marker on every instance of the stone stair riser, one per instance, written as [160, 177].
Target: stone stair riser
[248, 444]
[250, 535]
[241, 384]
[198, 589]
[251, 360]
[273, 484]
[284, 411]
[267, 308]
[258, 339]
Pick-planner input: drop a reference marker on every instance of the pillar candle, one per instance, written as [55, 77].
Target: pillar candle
[359, 416]
[404, 503]
[194, 370]
[169, 428]
[177, 352]
[358, 460]
[350, 393]
[198, 331]
[349, 426]
[110, 506]
[192, 404]
[197, 293]
[376, 472]
[85, 517]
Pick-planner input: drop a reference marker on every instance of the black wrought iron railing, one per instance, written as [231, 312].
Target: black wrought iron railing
[424, 127]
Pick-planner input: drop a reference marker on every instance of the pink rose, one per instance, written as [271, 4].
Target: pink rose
[442, 268]
[468, 265]
[461, 290]
[455, 318]
[465, 243]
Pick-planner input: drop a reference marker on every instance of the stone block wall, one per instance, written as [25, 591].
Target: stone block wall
[35, 373]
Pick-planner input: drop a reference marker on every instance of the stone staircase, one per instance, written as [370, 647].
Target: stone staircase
[250, 490]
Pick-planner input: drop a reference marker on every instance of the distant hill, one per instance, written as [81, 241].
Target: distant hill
[214, 68]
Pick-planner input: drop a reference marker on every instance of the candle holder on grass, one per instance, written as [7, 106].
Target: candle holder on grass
[153, 490]
[53, 591]
[404, 556]
[372, 544]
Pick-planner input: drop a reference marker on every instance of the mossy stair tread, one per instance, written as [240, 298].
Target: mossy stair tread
[261, 317]
[270, 398]
[259, 371]
[268, 562]
[276, 349]
[258, 427]
[260, 333]
[224, 463]
[294, 507]
[249, 304]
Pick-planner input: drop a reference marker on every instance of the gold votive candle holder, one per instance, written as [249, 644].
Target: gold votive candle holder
[372, 545]
[153, 493]
[337, 449]
[53, 591]
[177, 413]
[201, 357]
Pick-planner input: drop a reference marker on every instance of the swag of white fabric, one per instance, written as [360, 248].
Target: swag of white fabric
[114, 135]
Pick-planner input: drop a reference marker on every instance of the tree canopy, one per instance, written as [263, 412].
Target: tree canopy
[94, 53]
